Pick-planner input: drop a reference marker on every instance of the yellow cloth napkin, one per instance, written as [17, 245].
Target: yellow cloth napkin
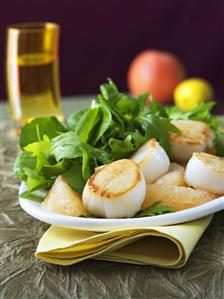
[164, 246]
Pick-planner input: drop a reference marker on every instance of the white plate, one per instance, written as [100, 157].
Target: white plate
[36, 210]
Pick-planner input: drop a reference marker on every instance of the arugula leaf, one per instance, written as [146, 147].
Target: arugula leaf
[75, 117]
[117, 115]
[141, 101]
[87, 123]
[54, 170]
[34, 165]
[39, 146]
[41, 149]
[34, 180]
[157, 108]
[219, 143]
[201, 113]
[74, 176]
[24, 160]
[31, 196]
[87, 162]
[128, 107]
[103, 124]
[109, 91]
[154, 126]
[154, 210]
[66, 146]
[123, 148]
[37, 128]
[121, 102]
[69, 146]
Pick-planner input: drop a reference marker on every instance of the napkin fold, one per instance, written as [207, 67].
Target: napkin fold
[163, 246]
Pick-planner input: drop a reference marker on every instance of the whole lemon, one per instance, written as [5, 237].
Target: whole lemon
[192, 92]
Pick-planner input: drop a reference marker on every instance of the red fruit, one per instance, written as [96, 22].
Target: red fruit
[156, 72]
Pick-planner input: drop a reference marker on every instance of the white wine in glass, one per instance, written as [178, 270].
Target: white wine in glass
[32, 76]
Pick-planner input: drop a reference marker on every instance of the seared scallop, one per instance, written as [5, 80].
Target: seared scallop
[152, 159]
[206, 171]
[115, 190]
[195, 136]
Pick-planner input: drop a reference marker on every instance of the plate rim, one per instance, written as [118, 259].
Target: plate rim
[37, 211]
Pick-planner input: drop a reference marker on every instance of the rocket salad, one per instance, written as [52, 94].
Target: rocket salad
[114, 127]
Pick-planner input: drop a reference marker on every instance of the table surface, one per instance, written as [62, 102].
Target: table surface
[24, 276]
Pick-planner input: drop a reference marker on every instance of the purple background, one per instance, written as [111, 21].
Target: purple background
[100, 38]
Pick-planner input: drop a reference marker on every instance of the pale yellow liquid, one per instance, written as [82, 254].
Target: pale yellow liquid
[33, 87]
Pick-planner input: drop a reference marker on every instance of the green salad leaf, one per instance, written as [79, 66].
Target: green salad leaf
[157, 108]
[219, 143]
[113, 127]
[38, 127]
[103, 124]
[56, 169]
[201, 113]
[32, 196]
[66, 146]
[123, 148]
[155, 126]
[155, 209]
[24, 160]
[87, 123]
[74, 118]
[74, 176]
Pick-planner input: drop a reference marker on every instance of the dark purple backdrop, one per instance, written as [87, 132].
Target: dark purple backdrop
[100, 38]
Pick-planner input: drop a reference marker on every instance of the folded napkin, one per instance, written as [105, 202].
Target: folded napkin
[164, 246]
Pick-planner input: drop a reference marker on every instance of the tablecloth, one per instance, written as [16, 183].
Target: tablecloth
[23, 276]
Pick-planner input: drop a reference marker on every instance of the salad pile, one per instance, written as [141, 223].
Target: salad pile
[114, 127]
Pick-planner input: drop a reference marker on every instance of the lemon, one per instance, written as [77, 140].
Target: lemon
[192, 92]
